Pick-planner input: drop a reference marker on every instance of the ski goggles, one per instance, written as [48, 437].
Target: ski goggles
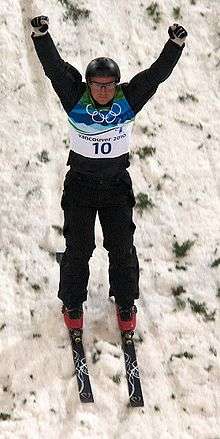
[100, 85]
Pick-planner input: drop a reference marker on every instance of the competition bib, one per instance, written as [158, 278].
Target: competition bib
[101, 133]
[110, 144]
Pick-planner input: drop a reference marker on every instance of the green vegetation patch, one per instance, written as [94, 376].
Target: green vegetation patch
[43, 157]
[4, 416]
[176, 13]
[181, 250]
[185, 354]
[201, 308]
[96, 353]
[178, 290]
[213, 351]
[148, 132]
[188, 97]
[216, 263]
[180, 303]
[154, 12]
[146, 151]
[116, 378]
[143, 202]
[58, 229]
[73, 12]
[66, 143]
[3, 326]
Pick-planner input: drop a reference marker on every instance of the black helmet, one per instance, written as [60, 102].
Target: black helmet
[103, 67]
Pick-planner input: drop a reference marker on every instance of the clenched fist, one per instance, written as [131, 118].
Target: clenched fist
[177, 34]
[40, 24]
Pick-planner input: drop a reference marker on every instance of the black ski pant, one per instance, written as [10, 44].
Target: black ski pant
[113, 200]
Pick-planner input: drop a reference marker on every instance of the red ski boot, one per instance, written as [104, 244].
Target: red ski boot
[73, 317]
[126, 318]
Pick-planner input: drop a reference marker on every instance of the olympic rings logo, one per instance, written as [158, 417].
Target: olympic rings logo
[99, 117]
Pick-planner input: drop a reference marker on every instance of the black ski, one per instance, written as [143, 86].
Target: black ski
[82, 374]
[132, 371]
[79, 358]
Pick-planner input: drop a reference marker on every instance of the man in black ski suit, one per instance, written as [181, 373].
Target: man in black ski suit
[101, 113]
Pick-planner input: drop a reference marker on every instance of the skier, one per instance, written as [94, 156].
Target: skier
[101, 112]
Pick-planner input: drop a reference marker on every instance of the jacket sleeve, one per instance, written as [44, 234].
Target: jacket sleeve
[66, 79]
[143, 85]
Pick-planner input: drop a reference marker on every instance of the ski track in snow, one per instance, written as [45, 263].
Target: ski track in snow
[38, 391]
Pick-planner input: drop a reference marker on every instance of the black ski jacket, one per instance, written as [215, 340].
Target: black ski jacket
[67, 83]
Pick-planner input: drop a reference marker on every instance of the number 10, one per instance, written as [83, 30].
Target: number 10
[104, 147]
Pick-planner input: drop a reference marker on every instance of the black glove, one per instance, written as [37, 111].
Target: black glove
[40, 24]
[177, 34]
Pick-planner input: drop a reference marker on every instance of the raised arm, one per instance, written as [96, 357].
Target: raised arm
[66, 79]
[143, 85]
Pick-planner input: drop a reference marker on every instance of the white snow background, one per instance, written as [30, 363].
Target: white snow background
[178, 331]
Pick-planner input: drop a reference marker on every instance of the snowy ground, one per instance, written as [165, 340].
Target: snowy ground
[178, 316]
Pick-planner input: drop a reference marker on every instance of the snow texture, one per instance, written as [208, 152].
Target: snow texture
[178, 344]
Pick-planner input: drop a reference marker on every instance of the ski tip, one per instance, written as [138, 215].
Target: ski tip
[136, 400]
[87, 398]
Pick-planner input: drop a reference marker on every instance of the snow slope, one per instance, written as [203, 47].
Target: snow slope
[178, 318]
